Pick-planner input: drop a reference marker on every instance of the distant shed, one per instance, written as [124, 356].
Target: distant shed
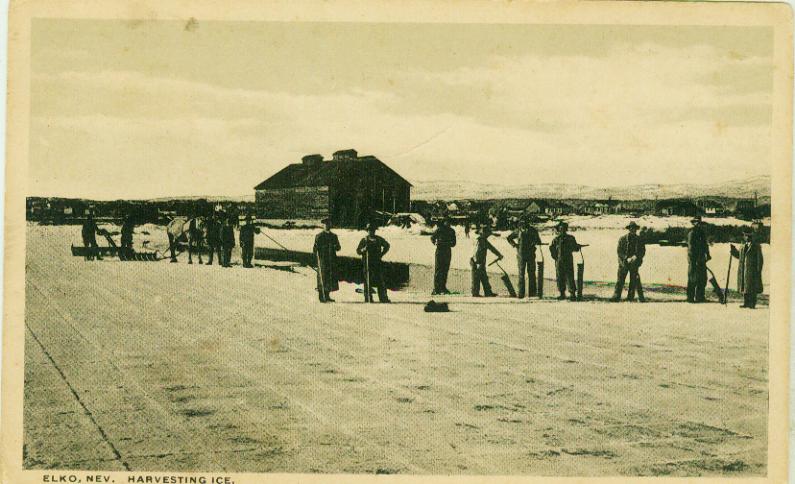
[348, 188]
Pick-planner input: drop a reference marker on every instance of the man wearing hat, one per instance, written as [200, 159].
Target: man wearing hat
[372, 248]
[631, 251]
[227, 241]
[247, 232]
[749, 272]
[213, 228]
[127, 231]
[444, 240]
[89, 233]
[325, 250]
[562, 249]
[525, 239]
[478, 262]
[697, 257]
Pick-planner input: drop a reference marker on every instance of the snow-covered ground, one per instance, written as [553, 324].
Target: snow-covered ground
[153, 366]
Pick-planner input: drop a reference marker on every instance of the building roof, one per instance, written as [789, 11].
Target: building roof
[320, 173]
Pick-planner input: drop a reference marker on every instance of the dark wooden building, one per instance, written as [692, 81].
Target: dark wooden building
[351, 189]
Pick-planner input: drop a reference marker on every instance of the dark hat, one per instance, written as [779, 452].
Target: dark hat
[325, 220]
[562, 225]
[633, 225]
[695, 219]
[372, 226]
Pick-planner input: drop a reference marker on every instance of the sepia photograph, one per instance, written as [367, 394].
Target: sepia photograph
[504, 240]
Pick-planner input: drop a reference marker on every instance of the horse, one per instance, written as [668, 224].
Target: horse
[187, 229]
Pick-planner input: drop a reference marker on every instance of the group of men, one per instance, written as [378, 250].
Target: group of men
[372, 248]
[631, 251]
[219, 233]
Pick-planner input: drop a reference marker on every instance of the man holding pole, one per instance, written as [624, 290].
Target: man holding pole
[444, 239]
[631, 251]
[478, 263]
[327, 244]
[562, 249]
[697, 258]
[247, 232]
[525, 239]
[372, 248]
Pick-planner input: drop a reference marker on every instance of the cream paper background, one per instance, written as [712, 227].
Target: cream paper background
[777, 16]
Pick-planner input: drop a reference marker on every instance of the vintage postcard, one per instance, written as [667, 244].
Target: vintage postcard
[338, 241]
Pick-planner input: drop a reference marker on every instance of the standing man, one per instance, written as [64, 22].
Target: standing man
[478, 263]
[525, 239]
[214, 239]
[631, 251]
[372, 248]
[227, 241]
[89, 232]
[327, 244]
[697, 257]
[749, 272]
[444, 239]
[127, 230]
[247, 232]
[562, 248]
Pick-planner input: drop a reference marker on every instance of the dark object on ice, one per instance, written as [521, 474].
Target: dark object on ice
[348, 269]
[435, 307]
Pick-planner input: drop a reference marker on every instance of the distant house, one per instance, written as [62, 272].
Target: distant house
[681, 207]
[348, 188]
[712, 208]
[536, 207]
[634, 207]
[555, 208]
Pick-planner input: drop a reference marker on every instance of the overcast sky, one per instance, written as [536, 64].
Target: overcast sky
[162, 108]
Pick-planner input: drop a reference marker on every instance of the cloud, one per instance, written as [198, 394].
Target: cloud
[640, 113]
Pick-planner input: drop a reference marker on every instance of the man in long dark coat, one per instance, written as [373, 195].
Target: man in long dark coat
[214, 239]
[127, 230]
[631, 251]
[562, 249]
[247, 232]
[478, 263]
[372, 248]
[444, 239]
[327, 244]
[749, 273]
[697, 257]
[525, 239]
[227, 241]
[89, 233]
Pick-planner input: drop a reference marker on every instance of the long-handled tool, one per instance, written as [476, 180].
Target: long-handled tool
[506, 279]
[283, 247]
[728, 275]
[321, 285]
[540, 276]
[715, 286]
[580, 273]
[368, 290]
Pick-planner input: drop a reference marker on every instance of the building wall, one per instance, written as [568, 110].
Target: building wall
[293, 203]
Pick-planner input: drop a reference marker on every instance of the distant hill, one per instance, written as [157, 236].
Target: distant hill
[458, 190]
